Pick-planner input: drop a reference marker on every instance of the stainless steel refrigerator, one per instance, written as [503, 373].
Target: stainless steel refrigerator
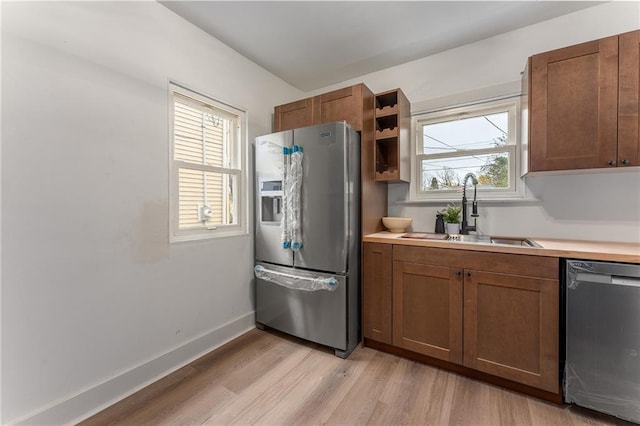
[307, 234]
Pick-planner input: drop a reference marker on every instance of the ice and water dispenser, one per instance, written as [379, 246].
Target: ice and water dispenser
[271, 201]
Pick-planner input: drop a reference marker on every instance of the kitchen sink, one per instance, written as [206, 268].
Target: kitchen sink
[470, 238]
[508, 241]
[525, 242]
[486, 239]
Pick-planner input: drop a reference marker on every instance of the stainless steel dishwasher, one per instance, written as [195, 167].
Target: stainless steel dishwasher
[602, 368]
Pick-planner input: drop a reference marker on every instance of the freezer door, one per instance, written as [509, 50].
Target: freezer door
[268, 201]
[330, 195]
[318, 315]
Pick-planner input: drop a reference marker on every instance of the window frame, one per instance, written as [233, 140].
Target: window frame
[512, 105]
[240, 228]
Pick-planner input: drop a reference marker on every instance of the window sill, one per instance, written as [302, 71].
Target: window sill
[202, 237]
[485, 201]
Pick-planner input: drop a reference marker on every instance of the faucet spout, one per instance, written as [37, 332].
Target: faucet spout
[464, 226]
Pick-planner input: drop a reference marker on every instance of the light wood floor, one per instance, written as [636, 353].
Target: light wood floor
[267, 378]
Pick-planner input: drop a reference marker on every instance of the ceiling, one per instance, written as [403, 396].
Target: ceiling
[312, 44]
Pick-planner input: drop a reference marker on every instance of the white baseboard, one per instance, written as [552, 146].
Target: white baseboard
[83, 405]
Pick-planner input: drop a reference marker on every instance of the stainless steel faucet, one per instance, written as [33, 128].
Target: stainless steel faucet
[465, 227]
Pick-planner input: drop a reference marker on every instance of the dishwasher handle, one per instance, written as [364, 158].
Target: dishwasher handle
[626, 281]
[604, 279]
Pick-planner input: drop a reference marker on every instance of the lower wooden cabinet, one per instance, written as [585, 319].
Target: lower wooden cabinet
[493, 313]
[377, 292]
[427, 310]
[511, 327]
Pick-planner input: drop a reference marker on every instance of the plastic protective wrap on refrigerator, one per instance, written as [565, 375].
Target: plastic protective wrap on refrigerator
[296, 282]
[292, 181]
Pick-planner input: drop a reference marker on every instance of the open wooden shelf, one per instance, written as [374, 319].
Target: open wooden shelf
[392, 162]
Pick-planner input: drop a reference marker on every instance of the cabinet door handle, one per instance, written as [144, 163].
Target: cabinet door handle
[458, 273]
[612, 163]
[468, 274]
[625, 162]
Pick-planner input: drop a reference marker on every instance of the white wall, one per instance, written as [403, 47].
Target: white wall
[600, 206]
[91, 289]
[95, 302]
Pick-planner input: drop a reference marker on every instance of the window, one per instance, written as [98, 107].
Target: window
[207, 167]
[481, 139]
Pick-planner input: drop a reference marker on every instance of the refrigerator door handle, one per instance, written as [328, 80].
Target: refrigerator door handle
[285, 236]
[296, 186]
[296, 282]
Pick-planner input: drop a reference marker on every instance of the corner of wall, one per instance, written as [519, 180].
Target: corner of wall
[93, 400]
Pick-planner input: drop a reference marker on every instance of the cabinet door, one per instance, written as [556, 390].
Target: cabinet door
[293, 115]
[427, 310]
[628, 118]
[573, 107]
[377, 292]
[511, 327]
[340, 105]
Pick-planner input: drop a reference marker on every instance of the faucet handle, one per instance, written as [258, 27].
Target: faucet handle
[474, 209]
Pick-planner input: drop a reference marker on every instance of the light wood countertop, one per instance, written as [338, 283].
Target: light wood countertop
[578, 249]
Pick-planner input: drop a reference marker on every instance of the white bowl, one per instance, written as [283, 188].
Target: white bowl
[396, 224]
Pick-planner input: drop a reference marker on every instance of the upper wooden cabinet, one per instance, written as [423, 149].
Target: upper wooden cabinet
[293, 115]
[352, 104]
[573, 107]
[629, 99]
[583, 105]
[342, 104]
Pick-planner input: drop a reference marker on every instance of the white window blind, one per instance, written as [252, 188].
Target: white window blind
[206, 166]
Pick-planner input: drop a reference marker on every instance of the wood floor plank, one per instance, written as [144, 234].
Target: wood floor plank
[290, 390]
[312, 371]
[513, 408]
[267, 378]
[245, 375]
[401, 395]
[474, 403]
[435, 406]
[332, 390]
[267, 386]
[359, 403]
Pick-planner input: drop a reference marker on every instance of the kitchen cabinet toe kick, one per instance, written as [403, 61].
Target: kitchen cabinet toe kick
[554, 397]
